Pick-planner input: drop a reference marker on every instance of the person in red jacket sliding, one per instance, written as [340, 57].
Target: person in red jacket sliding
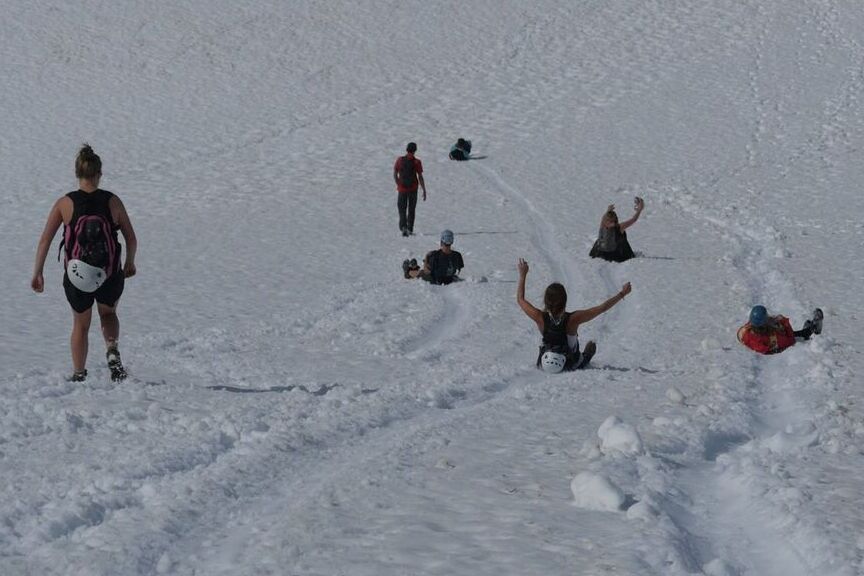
[772, 334]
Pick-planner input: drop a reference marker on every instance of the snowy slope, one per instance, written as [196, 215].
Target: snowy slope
[296, 407]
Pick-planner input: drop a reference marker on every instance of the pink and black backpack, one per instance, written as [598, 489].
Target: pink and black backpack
[91, 236]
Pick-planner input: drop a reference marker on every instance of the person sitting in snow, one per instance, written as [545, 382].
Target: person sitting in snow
[559, 350]
[461, 150]
[772, 334]
[612, 244]
[440, 266]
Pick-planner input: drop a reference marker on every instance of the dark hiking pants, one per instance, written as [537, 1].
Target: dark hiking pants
[407, 203]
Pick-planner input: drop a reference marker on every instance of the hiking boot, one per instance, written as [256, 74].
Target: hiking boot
[115, 365]
[587, 354]
[406, 267]
[404, 231]
[817, 321]
[77, 376]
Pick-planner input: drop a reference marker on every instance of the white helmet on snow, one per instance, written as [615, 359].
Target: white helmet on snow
[553, 362]
[85, 277]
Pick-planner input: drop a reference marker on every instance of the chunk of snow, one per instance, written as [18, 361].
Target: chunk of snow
[719, 567]
[710, 344]
[642, 511]
[595, 492]
[791, 440]
[616, 436]
[675, 395]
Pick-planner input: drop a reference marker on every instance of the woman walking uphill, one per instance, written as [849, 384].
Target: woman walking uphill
[91, 218]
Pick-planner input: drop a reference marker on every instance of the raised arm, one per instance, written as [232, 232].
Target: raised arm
[639, 204]
[578, 317]
[55, 220]
[526, 306]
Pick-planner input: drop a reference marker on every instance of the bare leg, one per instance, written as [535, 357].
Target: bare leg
[111, 332]
[110, 324]
[78, 341]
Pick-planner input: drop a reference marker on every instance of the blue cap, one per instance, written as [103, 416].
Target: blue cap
[447, 237]
[758, 316]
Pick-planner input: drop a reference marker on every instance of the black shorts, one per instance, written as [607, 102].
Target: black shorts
[108, 294]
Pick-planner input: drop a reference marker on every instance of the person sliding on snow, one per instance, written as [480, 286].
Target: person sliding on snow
[612, 244]
[772, 334]
[461, 150]
[92, 217]
[440, 266]
[559, 350]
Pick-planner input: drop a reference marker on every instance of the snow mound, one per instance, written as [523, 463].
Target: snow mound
[718, 567]
[642, 511]
[596, 492]
[793, 439]
[675, 395]
[616, 436]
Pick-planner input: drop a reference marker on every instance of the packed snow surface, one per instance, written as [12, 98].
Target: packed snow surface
[296, 407]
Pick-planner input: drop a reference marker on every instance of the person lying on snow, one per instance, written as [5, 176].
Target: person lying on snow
[440, 266]
[772, 334]
[560, 348]
[612, 244]
[461, 150]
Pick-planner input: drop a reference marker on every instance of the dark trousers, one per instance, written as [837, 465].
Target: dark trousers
[407, 203]
[804, 333]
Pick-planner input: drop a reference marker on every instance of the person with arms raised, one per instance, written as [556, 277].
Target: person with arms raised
[559, 349]
[612, 243]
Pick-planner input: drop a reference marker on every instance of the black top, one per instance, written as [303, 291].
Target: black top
[96, 203]
[555, 332]
[612, 245]
[443, 268]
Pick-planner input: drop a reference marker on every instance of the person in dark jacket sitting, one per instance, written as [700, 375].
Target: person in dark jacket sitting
[461, 150]
[440, 266]
[612, 244]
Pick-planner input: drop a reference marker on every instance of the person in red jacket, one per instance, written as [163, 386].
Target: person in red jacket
[408, 175]
[772, 334]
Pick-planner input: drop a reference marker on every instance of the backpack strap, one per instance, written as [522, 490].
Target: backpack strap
[432, 262]
[62, 246]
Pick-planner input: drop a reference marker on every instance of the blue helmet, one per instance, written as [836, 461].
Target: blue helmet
[758, 316]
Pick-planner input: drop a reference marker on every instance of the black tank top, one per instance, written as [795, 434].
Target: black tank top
[96, 203]
[555, 332]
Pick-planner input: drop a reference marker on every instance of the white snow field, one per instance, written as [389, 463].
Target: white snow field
[296, 407]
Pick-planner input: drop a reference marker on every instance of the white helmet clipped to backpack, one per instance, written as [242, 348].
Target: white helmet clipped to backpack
[85, 277]
[553, 362]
